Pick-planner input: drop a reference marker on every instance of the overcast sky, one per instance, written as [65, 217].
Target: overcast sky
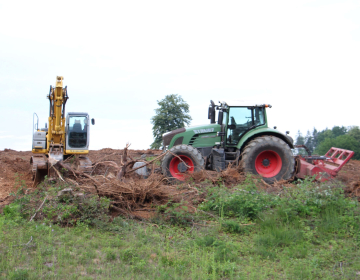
[119, 57]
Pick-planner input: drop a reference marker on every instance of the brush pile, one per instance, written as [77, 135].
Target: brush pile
[114, 176]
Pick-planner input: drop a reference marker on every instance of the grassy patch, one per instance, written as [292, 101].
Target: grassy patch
[308, 231]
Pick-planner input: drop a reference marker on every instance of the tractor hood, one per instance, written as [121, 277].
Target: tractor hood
[190, 132]
[169, 135]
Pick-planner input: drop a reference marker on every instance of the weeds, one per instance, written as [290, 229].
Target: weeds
[308, 231]
[245, 202]
[64, 209]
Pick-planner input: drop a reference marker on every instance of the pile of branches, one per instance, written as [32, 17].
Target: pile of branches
[120, 183]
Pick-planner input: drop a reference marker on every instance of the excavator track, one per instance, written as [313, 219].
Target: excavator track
[85, 164]
[39, 168]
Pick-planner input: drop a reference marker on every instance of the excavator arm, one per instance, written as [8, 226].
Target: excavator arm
[56, 133]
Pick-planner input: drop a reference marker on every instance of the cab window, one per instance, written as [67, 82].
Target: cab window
[242, 119]
[77, 131]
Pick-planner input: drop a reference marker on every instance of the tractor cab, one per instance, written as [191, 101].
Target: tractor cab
[236, 119]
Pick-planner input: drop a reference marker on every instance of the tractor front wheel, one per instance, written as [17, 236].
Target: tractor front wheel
[269, 157]
[180, 160]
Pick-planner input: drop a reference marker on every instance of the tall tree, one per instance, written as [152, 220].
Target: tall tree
[309, 141]
[338, 131]
[171, 114]
[354, 131]
[300, 140]
[315, 135]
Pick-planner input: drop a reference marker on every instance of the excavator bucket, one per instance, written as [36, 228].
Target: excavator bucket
[323, 167]
[39, 166]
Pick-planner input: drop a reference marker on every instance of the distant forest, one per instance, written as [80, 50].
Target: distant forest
[319, 142]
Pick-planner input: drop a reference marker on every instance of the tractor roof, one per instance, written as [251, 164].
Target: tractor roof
[240, 103]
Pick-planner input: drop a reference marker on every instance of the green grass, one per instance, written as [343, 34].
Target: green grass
[309, 231]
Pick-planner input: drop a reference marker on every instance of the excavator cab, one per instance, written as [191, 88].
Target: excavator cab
[77, 131]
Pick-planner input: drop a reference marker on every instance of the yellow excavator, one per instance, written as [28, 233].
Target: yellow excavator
[62, 138]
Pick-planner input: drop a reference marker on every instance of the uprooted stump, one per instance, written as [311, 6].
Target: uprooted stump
[133, 193]
[130, 193]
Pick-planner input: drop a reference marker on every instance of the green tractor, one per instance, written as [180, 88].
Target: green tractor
[240, 136]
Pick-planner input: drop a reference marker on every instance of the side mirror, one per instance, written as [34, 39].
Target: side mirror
[211, 112]
[92, 121]
[220, 117]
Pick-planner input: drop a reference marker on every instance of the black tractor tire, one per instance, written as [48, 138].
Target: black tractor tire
[174, 168]
[270, 157]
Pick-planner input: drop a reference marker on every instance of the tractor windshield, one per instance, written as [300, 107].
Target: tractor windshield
[77, 132]
[242, 119]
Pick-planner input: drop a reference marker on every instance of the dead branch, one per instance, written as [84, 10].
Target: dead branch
[109, 163]
[123, 163]
[95, 163]
[58, 173]
[27, 244]
[38, 209]
[72, 181]
[79, 173]
[207, 213]
[179, 159]
[130, 215]
[148, 162]
[69, 158]
[266, 184]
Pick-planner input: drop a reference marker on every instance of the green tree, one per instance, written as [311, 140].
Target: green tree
[309, 141]
[354, 131]
[337, 131]
[346, 141]
[171, 114]
[315, 135]
[300, 140]
[322, 135]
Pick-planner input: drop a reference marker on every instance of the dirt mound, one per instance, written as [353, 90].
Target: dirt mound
[350, 176]
[15, 168]
[14, 171]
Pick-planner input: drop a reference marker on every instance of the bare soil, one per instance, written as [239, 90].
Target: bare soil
[136, 194]
[15, 168]
[350, 176]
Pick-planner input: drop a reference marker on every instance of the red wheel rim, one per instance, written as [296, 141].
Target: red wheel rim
[268, 164]
[174, 167]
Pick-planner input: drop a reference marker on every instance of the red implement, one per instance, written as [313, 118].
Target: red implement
[324, 167]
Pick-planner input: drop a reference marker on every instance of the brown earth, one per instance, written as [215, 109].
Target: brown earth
[350, 176]
[136, 194]
[15, 168]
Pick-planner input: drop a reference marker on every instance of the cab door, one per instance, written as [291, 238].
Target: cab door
[77, 132]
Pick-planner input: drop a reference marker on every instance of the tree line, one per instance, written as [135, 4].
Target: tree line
[319, 142]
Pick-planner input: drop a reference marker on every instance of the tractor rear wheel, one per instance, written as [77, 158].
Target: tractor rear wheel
[181, 159]
[270, 157]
